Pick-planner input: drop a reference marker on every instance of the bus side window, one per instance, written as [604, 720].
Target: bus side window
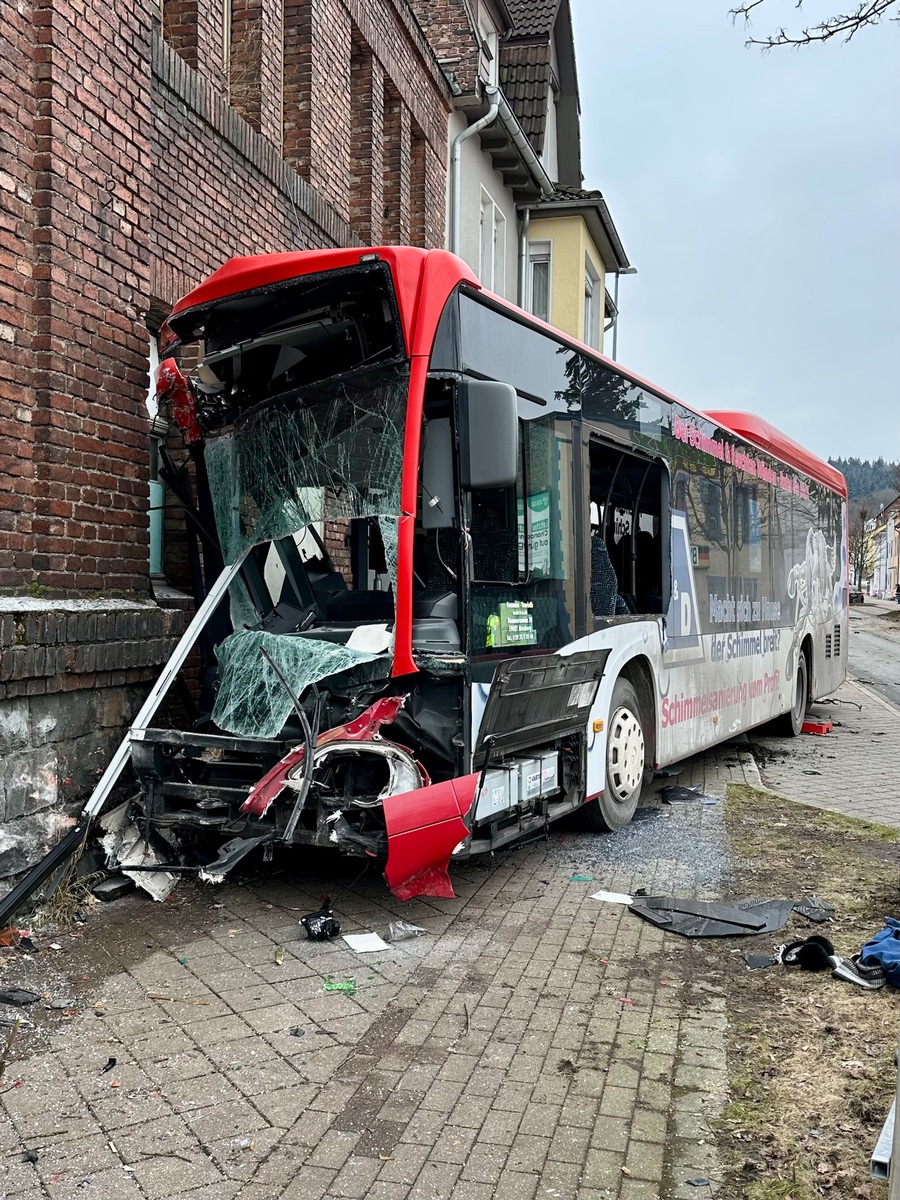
[626, 517]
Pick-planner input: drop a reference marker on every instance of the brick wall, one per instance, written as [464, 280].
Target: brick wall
[135, 162]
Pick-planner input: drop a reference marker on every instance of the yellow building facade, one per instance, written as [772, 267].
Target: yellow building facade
[577, 276]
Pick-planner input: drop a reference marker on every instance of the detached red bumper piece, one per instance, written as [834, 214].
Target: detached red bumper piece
[424, 827]
[819, 727]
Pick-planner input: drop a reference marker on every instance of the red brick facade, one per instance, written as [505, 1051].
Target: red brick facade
[143, 144]
[137, 163]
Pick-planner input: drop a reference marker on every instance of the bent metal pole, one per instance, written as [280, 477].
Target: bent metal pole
[169, 672]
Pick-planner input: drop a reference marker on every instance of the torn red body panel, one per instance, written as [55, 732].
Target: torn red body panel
[174, 392]
[364, 728]
[424, 827]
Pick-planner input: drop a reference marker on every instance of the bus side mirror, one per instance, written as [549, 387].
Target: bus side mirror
[488, 434]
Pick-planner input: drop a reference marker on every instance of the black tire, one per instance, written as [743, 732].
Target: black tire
[625, 765]
[790, 724]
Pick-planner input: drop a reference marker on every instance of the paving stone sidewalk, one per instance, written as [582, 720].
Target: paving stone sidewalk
[854, 770]
[534, 1043]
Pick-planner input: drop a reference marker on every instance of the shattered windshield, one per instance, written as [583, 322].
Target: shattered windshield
[326, 453]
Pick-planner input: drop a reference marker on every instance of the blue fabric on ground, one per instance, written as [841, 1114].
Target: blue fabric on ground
[884, 948]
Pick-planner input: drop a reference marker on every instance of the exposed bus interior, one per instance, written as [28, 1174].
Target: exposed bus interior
[629, 534]
[268, 343]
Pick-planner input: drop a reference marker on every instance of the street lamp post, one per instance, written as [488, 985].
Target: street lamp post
[623, 271]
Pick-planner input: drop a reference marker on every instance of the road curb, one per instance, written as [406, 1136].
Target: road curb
[882, 700]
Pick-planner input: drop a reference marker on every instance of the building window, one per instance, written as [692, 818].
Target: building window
[492, 246]
[592, 294]
[539, 279]
[488, 58]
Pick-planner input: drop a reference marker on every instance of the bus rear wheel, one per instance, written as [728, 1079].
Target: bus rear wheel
[790, 724]
[626, 760]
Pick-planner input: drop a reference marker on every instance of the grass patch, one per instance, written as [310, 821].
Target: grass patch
[811, 1069]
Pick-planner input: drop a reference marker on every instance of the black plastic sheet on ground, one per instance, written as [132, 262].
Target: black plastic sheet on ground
[711, 918]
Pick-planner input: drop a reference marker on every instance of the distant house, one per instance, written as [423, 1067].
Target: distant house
[883, 534]
[517, 211]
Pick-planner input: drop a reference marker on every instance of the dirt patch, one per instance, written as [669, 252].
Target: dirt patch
[811, 1068]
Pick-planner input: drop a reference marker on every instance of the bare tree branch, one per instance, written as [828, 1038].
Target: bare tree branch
[843, 25]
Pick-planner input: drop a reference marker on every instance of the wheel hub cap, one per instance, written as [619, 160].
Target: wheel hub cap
[625, 755]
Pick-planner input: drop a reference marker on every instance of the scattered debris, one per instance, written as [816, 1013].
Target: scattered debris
[297, 1031]
[242, 1143]
[9, 937]
[279, 957]
[669, 772]
[401, 931]
[126, 847]
[347, 986]
[703, 918]
[365, 943]
[65, 1003]
[680, 795]
[814, 909]
[114, 887]
[12, 1022]
[581, 879]
[179, 1000]
[321, 925]
[613, 897]
[109, 1066]
[4, 1056]
[698, 1182]
[759, 962]
[18, 996]
[230, 854]
[29, 1156]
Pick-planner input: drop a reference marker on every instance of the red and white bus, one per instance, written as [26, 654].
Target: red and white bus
[479, 577]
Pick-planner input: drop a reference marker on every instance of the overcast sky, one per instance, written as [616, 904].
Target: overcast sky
[758, 196]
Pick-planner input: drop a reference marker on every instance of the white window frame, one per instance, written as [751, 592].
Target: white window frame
[491, 244]
[489, 46]
[593, 294]
[540, 252]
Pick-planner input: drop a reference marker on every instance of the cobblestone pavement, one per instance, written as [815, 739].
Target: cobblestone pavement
[855, 769]
[533, 1043]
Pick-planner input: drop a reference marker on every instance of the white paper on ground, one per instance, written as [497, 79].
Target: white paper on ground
[613, 897]
[364, 942]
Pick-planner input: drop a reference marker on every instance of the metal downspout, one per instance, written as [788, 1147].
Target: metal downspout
[456, 161]
[523, 258]
[522, 144]
[499, 108]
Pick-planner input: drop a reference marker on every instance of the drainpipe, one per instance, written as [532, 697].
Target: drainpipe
[489, 117]
[522, 144]
[498, 108]
[523, 257]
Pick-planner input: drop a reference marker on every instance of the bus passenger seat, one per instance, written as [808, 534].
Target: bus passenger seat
[604, 585]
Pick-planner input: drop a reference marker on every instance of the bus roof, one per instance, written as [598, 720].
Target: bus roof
[754, 429]
[444, 270]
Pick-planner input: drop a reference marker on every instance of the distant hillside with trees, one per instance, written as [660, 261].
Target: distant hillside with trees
[865, 478]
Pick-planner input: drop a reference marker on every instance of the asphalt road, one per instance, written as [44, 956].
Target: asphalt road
[875, 648]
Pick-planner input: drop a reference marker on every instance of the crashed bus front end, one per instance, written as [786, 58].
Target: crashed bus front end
[330, 710]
